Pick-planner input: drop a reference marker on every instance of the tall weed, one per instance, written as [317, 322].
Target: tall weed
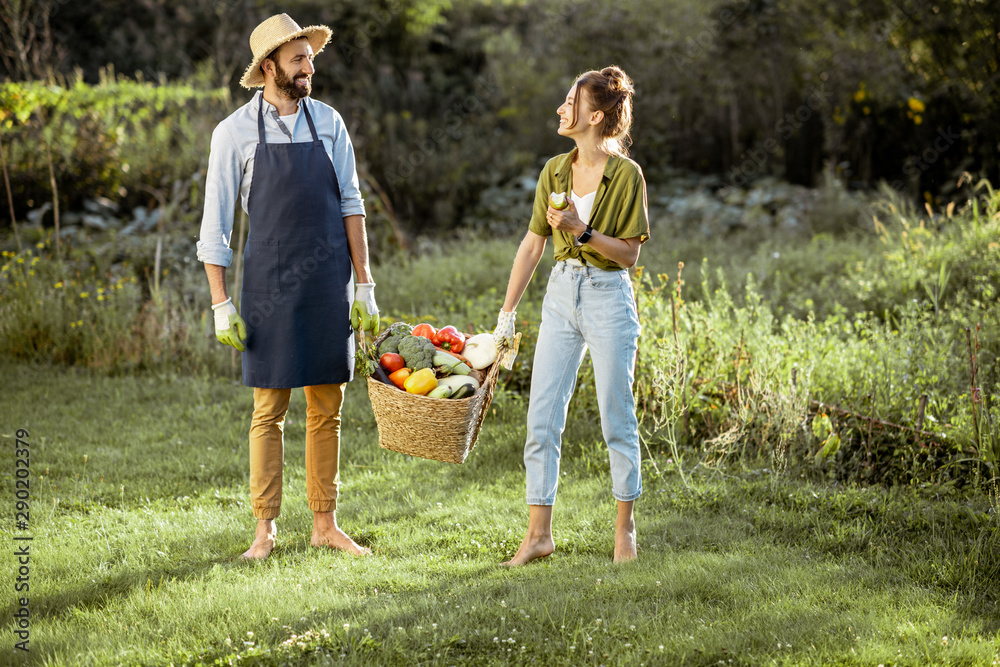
[74, 311]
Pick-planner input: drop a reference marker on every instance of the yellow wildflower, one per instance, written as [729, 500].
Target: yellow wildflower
[40, 245]
[916, 105]
[84, 295]
[58, 285]
[918, 119]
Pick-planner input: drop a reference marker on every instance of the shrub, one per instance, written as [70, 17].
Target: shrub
[113, 139]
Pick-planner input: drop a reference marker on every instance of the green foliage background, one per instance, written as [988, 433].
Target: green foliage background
[862, 302]
[448, 98]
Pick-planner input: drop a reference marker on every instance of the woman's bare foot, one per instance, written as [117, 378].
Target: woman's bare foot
[263, 541]
[625, 546]
[532, 548]
[326, 533]
[537, 542]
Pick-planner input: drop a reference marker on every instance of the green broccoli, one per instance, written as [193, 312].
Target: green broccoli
[417, 352]
[397, 332]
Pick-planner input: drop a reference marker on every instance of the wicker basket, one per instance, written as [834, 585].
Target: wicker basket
[442, 429]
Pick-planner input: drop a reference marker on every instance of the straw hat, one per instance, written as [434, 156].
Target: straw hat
[271, 34]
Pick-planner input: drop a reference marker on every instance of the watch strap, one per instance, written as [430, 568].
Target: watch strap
[585, 236]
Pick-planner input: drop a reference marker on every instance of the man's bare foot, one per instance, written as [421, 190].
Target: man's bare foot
[263, 541]
[532, 548]
[326, 533]
[625, 546]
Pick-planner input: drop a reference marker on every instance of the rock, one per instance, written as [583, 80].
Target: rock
[95, 221]
[35, 216]
[101, 206]
[733, 196]
[143, 220]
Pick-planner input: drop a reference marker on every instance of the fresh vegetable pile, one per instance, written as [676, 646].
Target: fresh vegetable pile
[439, 363]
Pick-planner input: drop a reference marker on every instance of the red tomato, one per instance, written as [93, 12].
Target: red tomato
[425, 330]
[391, 362]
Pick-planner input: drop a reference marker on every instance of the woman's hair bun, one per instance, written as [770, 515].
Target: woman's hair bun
[618, 80]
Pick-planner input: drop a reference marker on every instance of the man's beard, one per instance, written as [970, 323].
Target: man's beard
[287, 85]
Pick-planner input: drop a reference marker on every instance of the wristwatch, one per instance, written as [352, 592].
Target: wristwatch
[587, 233]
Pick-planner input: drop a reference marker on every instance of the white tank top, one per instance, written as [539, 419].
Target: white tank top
[584, 206]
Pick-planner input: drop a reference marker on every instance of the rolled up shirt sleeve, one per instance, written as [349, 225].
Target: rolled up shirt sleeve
[351, 201]
[222, 186]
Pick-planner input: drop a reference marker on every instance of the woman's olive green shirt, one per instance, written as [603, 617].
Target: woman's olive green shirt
[620, 208]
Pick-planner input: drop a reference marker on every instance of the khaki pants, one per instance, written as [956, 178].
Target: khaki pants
[323, 404]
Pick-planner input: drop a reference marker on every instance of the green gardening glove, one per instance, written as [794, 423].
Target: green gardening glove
[230, 328]
[364, 312]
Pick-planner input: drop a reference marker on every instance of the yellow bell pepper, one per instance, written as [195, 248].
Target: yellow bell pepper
[422, 382]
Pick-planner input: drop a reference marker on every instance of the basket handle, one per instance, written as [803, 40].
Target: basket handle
[363, 340]
[377, 371]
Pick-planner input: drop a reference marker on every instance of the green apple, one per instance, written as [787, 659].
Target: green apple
[558, 201]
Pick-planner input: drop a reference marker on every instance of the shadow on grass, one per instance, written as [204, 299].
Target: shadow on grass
[113, 587]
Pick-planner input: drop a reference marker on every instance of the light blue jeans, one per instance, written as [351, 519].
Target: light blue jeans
[585, 307]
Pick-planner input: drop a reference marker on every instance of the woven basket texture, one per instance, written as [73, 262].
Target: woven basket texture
[442, 429]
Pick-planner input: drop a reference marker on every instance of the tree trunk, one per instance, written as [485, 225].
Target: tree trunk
[10, 197]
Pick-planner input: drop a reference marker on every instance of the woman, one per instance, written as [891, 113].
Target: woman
[589, 301]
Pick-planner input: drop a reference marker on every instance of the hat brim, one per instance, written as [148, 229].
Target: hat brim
[318, 36]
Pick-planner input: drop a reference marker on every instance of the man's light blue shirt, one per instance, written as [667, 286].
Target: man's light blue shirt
[230, 166]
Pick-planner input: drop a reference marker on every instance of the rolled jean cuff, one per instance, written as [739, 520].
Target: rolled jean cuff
[549, 502]
[323, 505]
[628, 498]
[265, 512]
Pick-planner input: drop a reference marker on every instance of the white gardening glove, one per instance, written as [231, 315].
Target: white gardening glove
[506, 340]
[230, 328]
[364, 311]
[504, 331]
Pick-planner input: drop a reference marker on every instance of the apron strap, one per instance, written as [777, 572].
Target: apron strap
[260, 121]
[312, 128]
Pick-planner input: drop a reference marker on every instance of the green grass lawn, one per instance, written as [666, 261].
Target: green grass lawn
[139, 505]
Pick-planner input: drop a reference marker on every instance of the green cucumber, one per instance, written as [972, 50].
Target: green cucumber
[441, 391]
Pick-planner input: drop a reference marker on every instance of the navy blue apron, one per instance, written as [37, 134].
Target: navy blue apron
[297, 268]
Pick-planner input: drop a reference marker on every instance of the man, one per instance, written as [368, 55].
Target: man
[290, 159]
